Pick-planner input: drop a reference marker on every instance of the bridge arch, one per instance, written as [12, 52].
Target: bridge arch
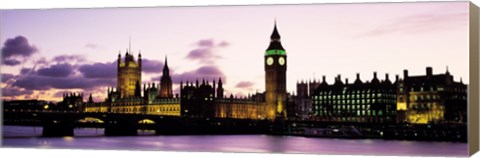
[90, 120]
[146, 121]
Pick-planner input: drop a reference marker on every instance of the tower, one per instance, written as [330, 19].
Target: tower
[275, 77]
[166, 82]
[129, 73]
[220, 89]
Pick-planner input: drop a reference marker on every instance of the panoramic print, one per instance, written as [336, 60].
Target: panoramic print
[315, 79]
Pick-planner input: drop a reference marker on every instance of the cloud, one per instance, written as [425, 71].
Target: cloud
[223, 44]
[59, 94]
[15, 48]
[202, 54]
[206, 51]
[421, 23]
[69, 58]
[205, 72]
[206, 43]
[46, 83]
[41, 61]
[13, 91]
[24, 71]
[63, 76]
[6, 77]
[58, 70]
[152, 66]
[11, 62]
[18, 46]
[99, 70]
[245, 84]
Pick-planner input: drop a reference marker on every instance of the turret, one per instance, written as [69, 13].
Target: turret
[139, 59]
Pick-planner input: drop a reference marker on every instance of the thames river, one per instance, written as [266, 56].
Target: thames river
[16, 136]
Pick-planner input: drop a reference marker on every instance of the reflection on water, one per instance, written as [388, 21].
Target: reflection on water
[15, 136]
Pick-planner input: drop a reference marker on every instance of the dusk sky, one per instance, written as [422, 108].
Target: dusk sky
[48, 52]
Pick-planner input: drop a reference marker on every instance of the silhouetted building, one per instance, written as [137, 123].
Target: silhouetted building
[302, 100]
[26, 105]
[197, 100]
[90, 99]
[72, 102]
[431, 98]
[166, 82]
[369, 102]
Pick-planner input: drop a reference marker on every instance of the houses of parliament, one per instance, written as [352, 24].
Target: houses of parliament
[429, 98]
[197, 98]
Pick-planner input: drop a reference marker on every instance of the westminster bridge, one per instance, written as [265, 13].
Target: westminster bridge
[63, 123]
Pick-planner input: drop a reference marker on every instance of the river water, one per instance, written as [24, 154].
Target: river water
[16, 136]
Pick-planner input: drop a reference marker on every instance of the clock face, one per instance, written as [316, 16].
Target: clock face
[269, 61]
[281, 61]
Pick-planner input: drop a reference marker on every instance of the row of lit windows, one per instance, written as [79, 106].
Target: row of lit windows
[363, 101]
[357, 96]
[457, 97]
[357, 119]
[363, 113]
[424, 97]
[345, 91]
[343, 107]
[431, 89]
[159, 109]
[362, 107]
[425, 106]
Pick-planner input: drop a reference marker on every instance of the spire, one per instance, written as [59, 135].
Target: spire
[90, 98]
[448, 73]
[275, 39]
[275, 35]
[165, 68]
[130, 44]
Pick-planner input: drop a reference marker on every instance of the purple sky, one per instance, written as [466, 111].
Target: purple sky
[47, 52]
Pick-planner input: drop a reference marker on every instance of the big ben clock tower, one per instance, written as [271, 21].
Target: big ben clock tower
[275, 77]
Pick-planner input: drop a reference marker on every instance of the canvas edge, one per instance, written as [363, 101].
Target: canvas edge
[473, 90]
[474, 68]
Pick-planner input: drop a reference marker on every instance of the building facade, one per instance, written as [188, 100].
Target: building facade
[431, 98]
[129, 75]
[157, 99]
[361, 102]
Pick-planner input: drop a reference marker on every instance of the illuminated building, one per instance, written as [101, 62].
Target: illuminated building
[361, 102]
[129, 75]
[199, 100]
[431, 98]
[275, 77]
[127, 98]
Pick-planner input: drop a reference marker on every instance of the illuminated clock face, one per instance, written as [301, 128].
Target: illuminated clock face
[269, 61]
[281, 61]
